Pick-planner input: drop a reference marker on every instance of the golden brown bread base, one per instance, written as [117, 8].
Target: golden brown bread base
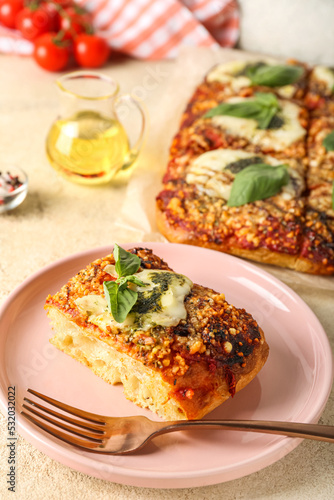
[261, 255]
[177, 235]
[145, 387]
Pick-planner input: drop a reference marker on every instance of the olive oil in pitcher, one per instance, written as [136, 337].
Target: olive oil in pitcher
[87, 146]
[88, 143]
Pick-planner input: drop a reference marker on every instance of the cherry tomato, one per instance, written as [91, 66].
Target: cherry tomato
[74, 21]
[52, 10]
[33, 22]
[91, 51]
[8, 12]
[49, 53]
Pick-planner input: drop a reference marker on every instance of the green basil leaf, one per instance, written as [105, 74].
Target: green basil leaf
[328, 142]
[266, 99]
[270, 107]
[257, 182]
[265, 117]
[263, 108]
[245, 109]
[120, 298]
[125, 262]
[274, 76]
[110, 288]
[244, 70]
[120, 301]
[130, 279]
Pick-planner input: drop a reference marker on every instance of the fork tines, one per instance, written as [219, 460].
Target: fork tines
[85, 431]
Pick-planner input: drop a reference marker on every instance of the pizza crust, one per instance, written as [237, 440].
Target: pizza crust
[177, 235]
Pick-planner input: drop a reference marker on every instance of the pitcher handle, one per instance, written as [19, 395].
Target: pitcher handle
[135, 148]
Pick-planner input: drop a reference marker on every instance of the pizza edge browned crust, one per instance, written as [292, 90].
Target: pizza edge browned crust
[177, 235]
[220, 390]
[261, 255]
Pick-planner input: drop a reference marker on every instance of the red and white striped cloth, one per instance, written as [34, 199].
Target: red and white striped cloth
[152, 29]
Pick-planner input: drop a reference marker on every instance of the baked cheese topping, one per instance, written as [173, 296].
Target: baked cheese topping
[159, 303]
[287, 91]
[226, 73]
[110, 269]
[213, 172]
[325, 75]
[229, 73]
[276, 139]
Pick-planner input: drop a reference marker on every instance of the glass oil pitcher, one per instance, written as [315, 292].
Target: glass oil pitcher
[88, 143]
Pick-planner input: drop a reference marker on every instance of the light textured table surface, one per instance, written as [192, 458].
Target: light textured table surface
[59, 218]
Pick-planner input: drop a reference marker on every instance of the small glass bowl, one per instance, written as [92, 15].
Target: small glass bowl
[12, 177]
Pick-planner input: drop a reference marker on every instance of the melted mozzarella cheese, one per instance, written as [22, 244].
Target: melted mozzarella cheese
[226, 73]
[210, 175]
[170, 307]
[295, 186]
[326, 75]
[208, 171]
[160, 302]
[110, 269]
[96, 308]
[277, 139]
[287, 91]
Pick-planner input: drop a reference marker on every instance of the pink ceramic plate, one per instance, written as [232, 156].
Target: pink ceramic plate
[294, 384]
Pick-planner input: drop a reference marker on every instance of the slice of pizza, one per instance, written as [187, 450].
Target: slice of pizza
[223, 199]
[178, 348]
[320, 95]
[241, 78]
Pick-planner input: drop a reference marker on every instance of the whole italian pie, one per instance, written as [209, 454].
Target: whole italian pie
[251, 167]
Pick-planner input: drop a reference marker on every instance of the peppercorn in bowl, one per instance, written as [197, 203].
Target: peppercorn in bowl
[13, 187]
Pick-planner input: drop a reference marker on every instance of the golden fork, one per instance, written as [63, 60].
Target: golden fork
[121, 435]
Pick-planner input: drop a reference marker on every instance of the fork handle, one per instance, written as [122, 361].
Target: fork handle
[299, 430]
